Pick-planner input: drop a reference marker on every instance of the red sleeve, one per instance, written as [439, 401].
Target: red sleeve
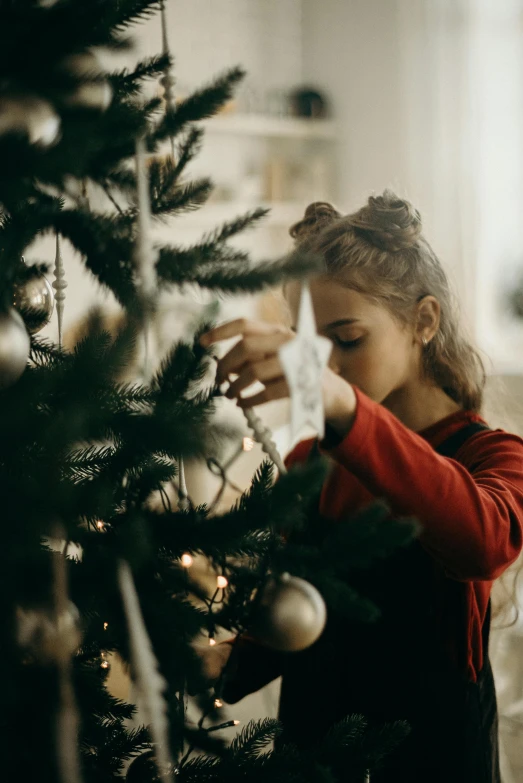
[471, 513]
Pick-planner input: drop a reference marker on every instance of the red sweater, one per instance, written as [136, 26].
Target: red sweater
[471, 511]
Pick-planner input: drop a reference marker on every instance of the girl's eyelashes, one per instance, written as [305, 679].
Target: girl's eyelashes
[345, 345]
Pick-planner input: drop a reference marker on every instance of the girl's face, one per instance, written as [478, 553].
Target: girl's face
[371, 349]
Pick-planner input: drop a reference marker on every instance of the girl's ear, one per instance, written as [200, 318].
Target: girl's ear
[428, 314]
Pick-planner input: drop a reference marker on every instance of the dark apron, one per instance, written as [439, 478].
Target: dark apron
[398, 669]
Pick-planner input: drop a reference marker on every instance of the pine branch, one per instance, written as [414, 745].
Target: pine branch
[236, 226]
[128, 83]
[102, 240]
[44, 352]
[253, 738]
[199, 106]
[379, 742]
[244, 277]
[175, 264]
[87, 462]
[187, 150]
[183, 367]
[183, 198]
[368, 536]
[125, 13]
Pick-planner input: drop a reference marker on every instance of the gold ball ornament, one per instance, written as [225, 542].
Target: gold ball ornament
[94, 91]
[291, 615]
[46, 637]
[31, 117]
[34, 300]
[14, 347]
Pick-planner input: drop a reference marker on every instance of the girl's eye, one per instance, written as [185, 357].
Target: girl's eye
[346, 345]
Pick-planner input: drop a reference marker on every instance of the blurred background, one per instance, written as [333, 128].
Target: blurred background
[342, 99]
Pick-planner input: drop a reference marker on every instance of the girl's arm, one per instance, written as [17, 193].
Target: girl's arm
[472, 516]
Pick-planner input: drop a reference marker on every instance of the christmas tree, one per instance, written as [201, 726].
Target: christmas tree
[86, 458]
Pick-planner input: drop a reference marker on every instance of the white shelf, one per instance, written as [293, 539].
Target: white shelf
[262, 125]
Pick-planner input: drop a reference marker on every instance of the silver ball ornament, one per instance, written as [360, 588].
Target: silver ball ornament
[30, 116]
[46, 637]
[291, 615]
[34, 299]
[93, 92]
[14, 347]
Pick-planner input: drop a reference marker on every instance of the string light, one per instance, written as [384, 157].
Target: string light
[100, 524]
[105, 663]
[187, 560]
[212, 641]
[218, 703]
[106, 626]
[222, 582]
[248, 444]
[224, 725]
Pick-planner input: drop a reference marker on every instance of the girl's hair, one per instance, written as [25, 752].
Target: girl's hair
[380, 252]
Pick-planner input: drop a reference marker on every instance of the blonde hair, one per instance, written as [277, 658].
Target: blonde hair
[380, 252]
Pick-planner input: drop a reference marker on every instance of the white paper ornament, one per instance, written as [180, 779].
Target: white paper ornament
[304, 360]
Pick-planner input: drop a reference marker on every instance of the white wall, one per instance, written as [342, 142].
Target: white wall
[376, 59]
[428, 97]
[206, 37]
[350, 49]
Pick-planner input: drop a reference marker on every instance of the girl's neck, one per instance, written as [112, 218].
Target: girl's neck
[420, 406]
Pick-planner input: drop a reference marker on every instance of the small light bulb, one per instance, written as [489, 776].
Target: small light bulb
[100, 525]
[248, 444]
[218, 703]
[236, 722]
[212, 641]
[105, 663]
[187, 560]
[106, 626]
[222, 582]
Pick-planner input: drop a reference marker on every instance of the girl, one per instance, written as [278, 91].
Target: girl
[402, 400]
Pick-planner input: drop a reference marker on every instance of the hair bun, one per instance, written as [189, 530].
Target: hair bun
[317, 215]
[388, 222]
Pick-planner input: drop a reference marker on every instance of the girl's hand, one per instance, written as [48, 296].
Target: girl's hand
[255, 358]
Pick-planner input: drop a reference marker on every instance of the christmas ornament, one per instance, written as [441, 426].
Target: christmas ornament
[304, 360]
[145, 256]
[34, 300]
[48, 636]
[93, 91]
[167, 81]
[291, 615]
[31, 117]
[184, 504]
[14, 347]
[59, 285]
[150, 685]
[142, 768]
[263, 435]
